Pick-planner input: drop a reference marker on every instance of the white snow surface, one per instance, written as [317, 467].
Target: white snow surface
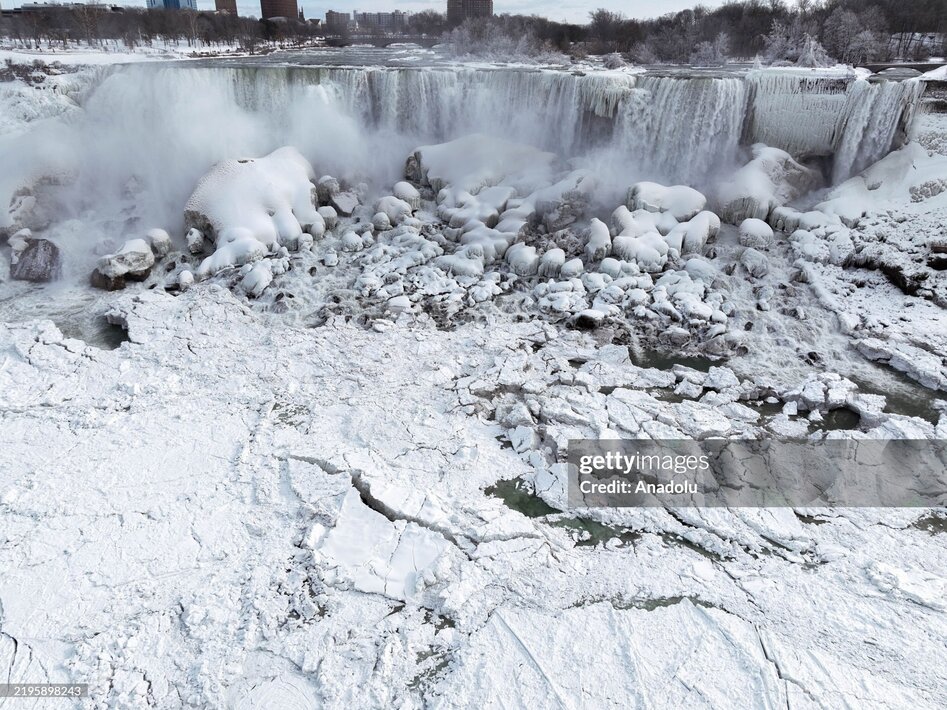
[313, 522]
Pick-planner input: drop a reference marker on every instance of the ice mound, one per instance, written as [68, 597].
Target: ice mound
[477, 161]
[771, 179]
[249, 207]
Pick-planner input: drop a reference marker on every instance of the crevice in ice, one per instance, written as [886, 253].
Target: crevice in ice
[360, 484]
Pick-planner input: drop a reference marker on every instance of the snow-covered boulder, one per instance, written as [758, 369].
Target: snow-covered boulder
[523, 259]
[756, 233]
[571, 269]
[326, 188]
[690, 237]
[352, 242]
[195, 240]
[344, 202]
[680, 201]
[36, 260]
[330, 218]
[409, 193]
[133, 262]
[395, 208]
[249, 207]
[257, 278]
[159, 241]
[381, 222]
[599, 243]
[551, 263]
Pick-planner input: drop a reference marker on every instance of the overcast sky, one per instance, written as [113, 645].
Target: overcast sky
[565, 10]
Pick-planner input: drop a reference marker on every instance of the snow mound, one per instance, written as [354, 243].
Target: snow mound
[755, 233]
[249, 207]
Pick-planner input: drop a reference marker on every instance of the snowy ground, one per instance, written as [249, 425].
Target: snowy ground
[328, 477]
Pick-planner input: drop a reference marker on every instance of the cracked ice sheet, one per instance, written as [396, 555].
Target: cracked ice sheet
[158, 503]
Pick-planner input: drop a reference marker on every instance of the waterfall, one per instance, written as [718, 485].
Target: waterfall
[851, 118]
[157, 128]
[683, 129]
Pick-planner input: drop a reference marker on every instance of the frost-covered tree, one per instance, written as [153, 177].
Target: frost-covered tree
[504, 38]
[865, 47]
[711, 54]
[813, 54]
[643, 53]
[839, 32]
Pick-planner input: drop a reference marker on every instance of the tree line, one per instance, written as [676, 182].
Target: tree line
[809, 31]
[850, 31]
[136, 27]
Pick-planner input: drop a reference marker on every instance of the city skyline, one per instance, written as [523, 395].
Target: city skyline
[576, 11]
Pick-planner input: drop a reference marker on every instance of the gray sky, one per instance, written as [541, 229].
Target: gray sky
[566, 10]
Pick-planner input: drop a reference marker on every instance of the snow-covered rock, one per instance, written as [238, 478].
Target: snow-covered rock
[396, 208]
[329, 216]
[756, 233]
[409, 193]
[38, 260]
[599, 242]
[344, 202]
[257, 278]
[195, 240]
[679, 201]
[551, 263]
[133, 261]
[159, 241]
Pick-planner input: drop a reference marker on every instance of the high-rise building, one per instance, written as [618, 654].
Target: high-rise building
[337, 21]
[279, 8]
[390, 21]
[226, 6]
[460, 10]
[172, 5]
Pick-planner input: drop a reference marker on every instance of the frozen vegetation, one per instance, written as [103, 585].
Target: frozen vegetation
[304, 446]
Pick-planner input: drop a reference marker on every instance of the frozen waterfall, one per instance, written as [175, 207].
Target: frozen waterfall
[164, 126]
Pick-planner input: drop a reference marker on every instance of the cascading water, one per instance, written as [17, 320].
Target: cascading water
[854, 120]
[153, 130]
[684, 129]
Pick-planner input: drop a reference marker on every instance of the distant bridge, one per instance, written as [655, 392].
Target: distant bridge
[381, 41]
